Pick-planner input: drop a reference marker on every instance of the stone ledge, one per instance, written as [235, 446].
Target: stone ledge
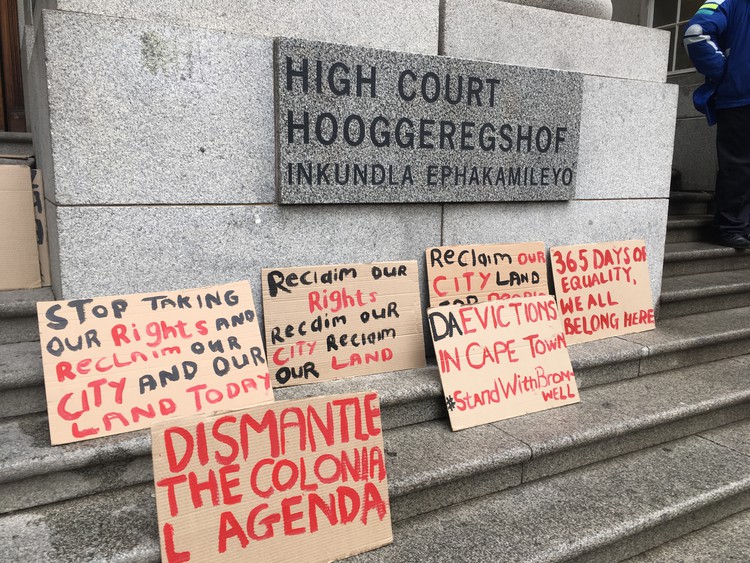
[685, 196]
[483, 29]
[609, 422]
[601, 9]
[18, 329]
[679, 251]
[726, 540]
[74, 483]
[430, 454]
[694, 339]
[385, 24]
[120, 525]
[708, 476]
[684, 333]
[733, 436]
[22, 401]
[20, 365]
[688, 221]
[710, 284]
[665, 485]
[595, 363]
[12, 137]
[632, 415]
[27, 452]
[705, 304]
[688, 228]
[703, 263]
[662, 484]
[592, 362]
[30, 454]
[22, 302]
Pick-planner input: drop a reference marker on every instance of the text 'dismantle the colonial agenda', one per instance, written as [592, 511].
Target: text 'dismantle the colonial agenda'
[360, 125]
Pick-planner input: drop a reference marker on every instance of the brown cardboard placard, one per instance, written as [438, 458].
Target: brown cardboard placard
[344, 320]
[501, 359]
[300, 480]
[40, 215]
[602, 289]
[466, 274]
[19, 257]
[120, 363]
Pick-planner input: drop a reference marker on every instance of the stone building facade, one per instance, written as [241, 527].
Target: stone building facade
[153, 124]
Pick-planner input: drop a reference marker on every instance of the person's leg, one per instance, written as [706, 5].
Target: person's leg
[733, 179]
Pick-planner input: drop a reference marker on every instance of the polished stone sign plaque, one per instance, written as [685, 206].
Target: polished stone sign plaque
[360, 125]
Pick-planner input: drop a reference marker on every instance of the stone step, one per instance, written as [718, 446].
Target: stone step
[675, 343]
[660, 493]
[697, 293]
[687, 258]
[12, 138]
[604, 512]
[16, 148]
[18, 314]
[411, 395]
[596, 363]
[694, 339]
[115, 526]
[432, 468]
[429, 466]
[14, 160]
[727, 540]
[688, 228]
[21, 379]
[689, 203]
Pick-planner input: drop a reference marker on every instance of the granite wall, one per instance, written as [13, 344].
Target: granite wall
[627, 125]
[630, 11]
[694, 140]
[154, 128]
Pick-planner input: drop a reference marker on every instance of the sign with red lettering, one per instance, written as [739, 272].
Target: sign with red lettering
[299, 480]
[331, 322]
[501, 359]
[116, 364]
[603, 289]
[463, 275]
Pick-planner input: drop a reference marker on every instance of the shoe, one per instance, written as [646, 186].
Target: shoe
[733, 240]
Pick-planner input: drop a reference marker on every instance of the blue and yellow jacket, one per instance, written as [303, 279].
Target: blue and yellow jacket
[717, 39]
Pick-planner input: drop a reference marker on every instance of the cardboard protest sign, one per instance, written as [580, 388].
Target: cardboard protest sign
[299, 480]
[19, 258]
[467, 274]
[40, 216]
[602, 289]
[116, 364]
[331, 322]
[501, 359]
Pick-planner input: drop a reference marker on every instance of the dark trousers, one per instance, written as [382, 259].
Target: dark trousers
[733, 179]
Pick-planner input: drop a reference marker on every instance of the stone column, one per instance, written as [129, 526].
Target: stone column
[594, 8]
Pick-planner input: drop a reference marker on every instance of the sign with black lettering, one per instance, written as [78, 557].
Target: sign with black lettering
[360, 125]
[331, 322]
[466, 274]
[120, 363]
